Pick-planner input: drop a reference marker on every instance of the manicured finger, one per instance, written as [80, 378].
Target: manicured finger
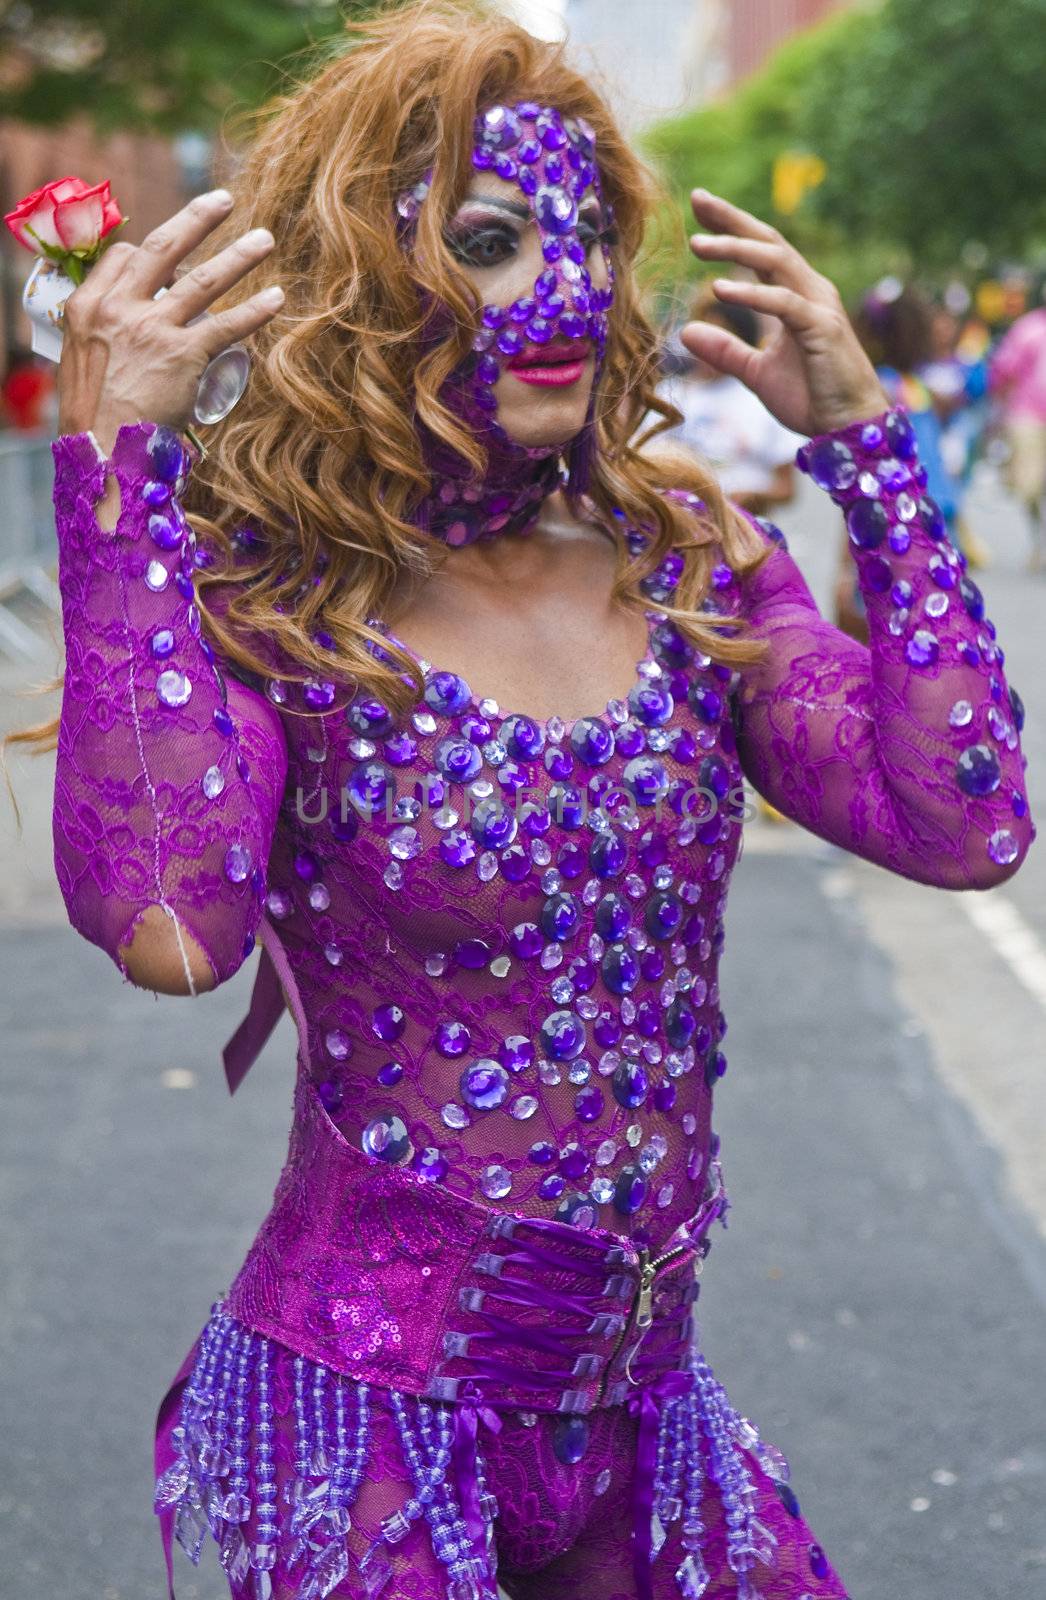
[720, 349]
[777, 262]
[714, 211]
[197, 290]
[794, 310]
[239, 322]
[161, 251]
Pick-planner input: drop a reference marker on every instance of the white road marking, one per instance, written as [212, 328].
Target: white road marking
[1011, 937]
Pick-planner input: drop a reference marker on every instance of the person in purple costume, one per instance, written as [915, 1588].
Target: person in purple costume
[486, 856]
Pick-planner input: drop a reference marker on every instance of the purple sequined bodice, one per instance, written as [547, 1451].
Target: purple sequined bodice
[505, 933]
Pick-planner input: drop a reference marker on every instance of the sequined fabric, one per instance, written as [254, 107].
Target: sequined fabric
[502, 935]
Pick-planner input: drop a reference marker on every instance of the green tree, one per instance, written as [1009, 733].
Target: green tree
[933, 127]
[153, 65]
[732, 146]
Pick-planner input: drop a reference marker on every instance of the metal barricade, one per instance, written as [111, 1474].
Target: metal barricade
[28, 552]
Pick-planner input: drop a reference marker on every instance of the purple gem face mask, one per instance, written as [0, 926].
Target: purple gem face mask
[550, 160]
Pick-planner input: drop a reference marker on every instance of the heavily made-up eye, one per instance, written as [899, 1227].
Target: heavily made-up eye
[482, 244]
[488, 244]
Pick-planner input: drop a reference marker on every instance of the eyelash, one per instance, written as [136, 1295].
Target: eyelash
[461, 244]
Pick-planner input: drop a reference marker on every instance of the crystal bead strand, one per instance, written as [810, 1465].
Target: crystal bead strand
[692, 1575]
[237, 1507]
[263, 1553]
[733, 1480]
[172, 1483]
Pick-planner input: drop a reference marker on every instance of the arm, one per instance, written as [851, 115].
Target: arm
[906, 751]
[169, 779]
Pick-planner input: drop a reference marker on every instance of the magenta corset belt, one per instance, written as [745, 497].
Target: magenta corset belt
[397, 1281]
[393, 1290]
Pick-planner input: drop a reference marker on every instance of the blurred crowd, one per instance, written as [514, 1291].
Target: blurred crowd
[970, 367]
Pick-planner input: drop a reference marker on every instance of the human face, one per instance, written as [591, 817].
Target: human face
[543, 392]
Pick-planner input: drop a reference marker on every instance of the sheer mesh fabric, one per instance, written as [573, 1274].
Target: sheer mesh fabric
[562, 1530]
[424, 946]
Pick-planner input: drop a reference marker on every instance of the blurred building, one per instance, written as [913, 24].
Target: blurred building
[742, 33]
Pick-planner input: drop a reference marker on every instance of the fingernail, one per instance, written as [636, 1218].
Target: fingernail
[221, 197]
[272, 296]
[258, 236]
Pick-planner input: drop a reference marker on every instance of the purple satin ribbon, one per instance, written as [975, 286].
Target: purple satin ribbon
[647, 1403]
[467, 1419]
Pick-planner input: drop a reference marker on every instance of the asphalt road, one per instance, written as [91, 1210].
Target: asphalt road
[877, 1304]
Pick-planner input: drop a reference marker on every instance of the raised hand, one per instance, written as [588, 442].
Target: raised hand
[812, 373]
[128, 357]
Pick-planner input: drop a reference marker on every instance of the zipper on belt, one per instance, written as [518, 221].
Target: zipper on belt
[641, 1311]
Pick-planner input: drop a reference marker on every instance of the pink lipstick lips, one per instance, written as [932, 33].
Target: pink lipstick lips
[555, 365]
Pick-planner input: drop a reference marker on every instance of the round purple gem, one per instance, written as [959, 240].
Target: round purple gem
[390, 1074]
[522, 737]
[570, 1439]
[665, 1095]
[430, 1164]
[457, 849]
[550, 130]
[630, 1084]
[371, 787]
[560, 916]
[868, 523]
[933, 518]
[386, 1139]
[237, 863]
[592, 741]
[515, 864]
[452, 1039]
[566, 802]
[555, 209]
[900, 435]
[516, 1052]
[663, 914]
[574, 1163]
[613, 917]
[164, 533]
[977, 770]
[458, 760]
[818, 1562]
[831, 465]
[162, 643]
[607, 855]
[577, 1209]
[588, 1104]
[563, 1035]
[369, 717]
[1002, 845]
[526, 941]
[972, 598]
[446, 693]
[620, 969]
[922, 648]
[714, 775]
[388, 1021]
[166, 453]
[484, 1085]
[646, 779]
[472, 953]
[630, 1191]
[552, 1187]
[493, 823]
[499, 128]
[542, 1153]
[680, 1023]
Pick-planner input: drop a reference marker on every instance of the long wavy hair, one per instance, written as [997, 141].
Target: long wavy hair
[321, 456]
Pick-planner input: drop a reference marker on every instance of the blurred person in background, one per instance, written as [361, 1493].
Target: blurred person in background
[1018, 384]
[725, 423]
[28, 392]
[956, 376]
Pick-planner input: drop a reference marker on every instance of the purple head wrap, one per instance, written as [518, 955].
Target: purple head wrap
[551, 160]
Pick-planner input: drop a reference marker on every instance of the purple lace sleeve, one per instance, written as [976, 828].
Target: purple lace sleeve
[907, 751]
[169, 778]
